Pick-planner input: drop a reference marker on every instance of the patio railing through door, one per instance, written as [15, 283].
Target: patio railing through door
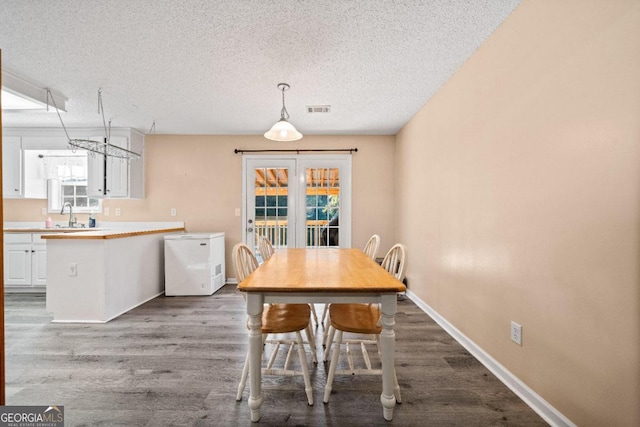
[276, 232]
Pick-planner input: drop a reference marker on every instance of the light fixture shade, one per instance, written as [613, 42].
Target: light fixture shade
[283, 131]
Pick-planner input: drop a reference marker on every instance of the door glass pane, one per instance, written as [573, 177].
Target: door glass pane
[322, 207]
[271, 205]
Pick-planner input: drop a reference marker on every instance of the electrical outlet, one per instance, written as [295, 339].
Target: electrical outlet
[237, 212]
[106, 211]
[173, 212]
[117, 211]
[44, 211]
[73, 269]
[516, 333]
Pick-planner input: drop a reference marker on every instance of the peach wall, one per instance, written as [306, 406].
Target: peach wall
[201, 177]
[518, 193]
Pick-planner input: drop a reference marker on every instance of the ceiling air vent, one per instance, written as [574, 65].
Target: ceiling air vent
[318, 108]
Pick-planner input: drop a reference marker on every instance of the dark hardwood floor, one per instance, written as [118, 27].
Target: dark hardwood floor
[176, 361]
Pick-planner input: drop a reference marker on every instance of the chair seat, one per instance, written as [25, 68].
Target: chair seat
[355, 318]
[283, 318]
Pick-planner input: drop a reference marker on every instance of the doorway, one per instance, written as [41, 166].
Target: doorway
[297, 201]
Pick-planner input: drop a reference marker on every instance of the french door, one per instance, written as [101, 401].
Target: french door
[297, 201]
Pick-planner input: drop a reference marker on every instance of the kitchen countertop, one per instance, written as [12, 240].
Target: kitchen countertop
[48, 230]
[96, 233]
[106, 229]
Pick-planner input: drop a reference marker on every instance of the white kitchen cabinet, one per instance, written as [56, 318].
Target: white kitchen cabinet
[11, 167]
[34, 179]
[22, 169]
[114, 177]
[38, 261]
[25, 262]
[108, 176]
[17, 264]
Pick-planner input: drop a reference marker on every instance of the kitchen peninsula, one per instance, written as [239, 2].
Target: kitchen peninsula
[95, 276]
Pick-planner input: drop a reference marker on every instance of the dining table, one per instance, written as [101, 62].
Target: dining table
[321, 275]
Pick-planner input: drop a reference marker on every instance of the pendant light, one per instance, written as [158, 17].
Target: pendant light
[283, 130]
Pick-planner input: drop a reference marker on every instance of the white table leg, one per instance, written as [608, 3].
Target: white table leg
[254, 311]
[387, 342]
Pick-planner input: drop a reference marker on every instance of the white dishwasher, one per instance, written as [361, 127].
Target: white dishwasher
[193, 263]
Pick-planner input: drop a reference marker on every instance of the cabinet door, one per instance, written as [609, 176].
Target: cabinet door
[34, 176]
[11, 167]
[95, 172]
[118, 170]
[17, 264]
[114, 172]
[39, 264]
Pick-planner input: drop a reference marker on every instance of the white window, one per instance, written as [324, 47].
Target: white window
[66, 174]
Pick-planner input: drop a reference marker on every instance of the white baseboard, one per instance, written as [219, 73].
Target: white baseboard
[530, 397]
[13, 289]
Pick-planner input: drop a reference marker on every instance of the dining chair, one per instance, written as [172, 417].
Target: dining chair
[361, 319]
[265, 248]
[277, 319]
[266, 251]
[370, 250]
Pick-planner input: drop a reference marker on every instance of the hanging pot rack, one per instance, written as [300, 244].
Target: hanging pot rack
[95, 147]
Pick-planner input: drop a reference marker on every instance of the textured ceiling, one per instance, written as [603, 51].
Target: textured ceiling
[212, 67]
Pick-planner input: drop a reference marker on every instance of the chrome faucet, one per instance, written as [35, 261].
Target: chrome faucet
[72, 218]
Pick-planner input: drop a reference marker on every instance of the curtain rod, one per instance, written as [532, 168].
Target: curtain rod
[350, 150]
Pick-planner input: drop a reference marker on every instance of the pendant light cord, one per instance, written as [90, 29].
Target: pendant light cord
[284, 114]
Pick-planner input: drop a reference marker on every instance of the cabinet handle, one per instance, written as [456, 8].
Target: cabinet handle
[26, 251]
[33, 252]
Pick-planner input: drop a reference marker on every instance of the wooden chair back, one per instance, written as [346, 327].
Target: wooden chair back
[244, 261]
[371, 248]
[265, 247]
[395, 261]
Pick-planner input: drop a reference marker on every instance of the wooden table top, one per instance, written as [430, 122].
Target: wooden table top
[320, 270]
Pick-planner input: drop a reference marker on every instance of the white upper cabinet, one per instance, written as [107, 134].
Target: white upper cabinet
[12, 167]
[107, 178]
[114, 177]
